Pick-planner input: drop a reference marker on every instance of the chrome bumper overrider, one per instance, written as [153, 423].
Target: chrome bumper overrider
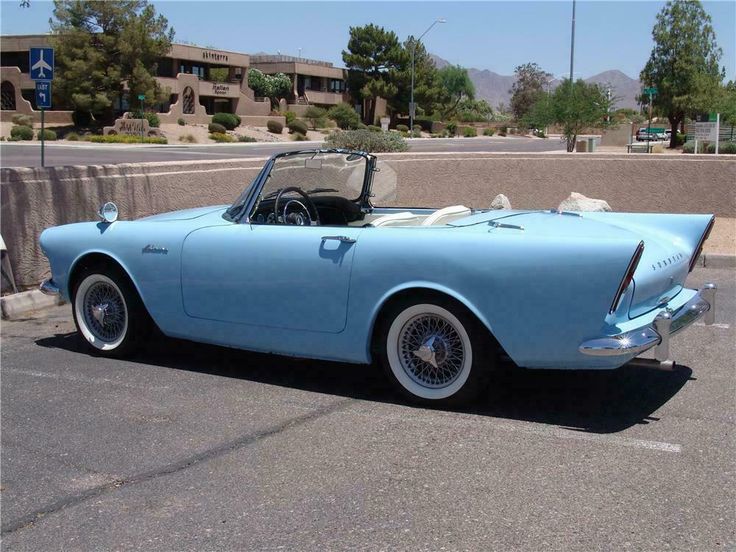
[49, 287]
[666, 323]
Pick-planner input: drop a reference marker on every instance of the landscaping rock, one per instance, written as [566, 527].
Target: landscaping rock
[578, 202]
[500, 202]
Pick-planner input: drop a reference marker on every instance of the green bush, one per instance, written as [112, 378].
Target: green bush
[365, 140]
[374, 128]
[316, 116]
[274, 127]
[503, 131]
[21, 132]
[188, 138]
[723, 147]
[246, 139]
[402, 128]
[424, 122]
[290, 117]
[470, 132]
[22, 120]
[297, 126]
[221, 137]
[47, 134]
[451, 128]
[489, 131]
[362, 126]
[124, 139]
[345, 116]
[150, 116]
[680, 139]
[417, 133]
[228, 120]
[181, 122]
[72, 137]
[216, 128]
[299, 137]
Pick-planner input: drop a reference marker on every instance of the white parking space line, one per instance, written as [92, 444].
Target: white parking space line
[719, 326]
[80, 379]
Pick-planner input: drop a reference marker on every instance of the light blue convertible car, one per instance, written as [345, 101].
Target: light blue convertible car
[304, 264]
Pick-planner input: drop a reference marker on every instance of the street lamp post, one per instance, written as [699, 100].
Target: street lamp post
[413, 53]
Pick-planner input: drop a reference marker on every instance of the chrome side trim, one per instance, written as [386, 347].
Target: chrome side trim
[666, 324]
[48, 287]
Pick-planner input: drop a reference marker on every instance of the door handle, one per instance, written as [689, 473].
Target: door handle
[343, 239]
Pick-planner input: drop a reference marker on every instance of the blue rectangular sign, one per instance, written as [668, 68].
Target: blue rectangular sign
[41, 62]
[43, 95]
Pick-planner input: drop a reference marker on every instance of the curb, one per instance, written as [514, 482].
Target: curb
[19, 305]
[717, 260]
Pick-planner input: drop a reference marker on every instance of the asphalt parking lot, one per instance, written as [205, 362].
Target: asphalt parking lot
[193, 447]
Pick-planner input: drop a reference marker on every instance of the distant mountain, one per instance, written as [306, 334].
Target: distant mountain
[494, 88]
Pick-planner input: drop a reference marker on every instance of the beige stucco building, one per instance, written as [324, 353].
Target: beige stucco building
[200, 81]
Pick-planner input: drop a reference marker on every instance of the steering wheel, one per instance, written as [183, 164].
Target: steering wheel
[305, 208]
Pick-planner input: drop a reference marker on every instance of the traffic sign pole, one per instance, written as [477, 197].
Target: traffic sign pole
[43, 133]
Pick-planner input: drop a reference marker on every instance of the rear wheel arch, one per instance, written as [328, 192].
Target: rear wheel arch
[422, 292]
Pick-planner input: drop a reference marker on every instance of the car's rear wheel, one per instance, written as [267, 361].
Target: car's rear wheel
[434, 350]
[108, 312]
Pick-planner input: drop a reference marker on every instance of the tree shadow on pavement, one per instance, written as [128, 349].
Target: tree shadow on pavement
[591, 401]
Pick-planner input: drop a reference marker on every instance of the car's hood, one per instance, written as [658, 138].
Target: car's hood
[186, 214]
[664, 264]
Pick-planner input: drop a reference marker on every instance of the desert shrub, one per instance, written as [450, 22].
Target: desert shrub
[489, 131]
[451, 128]
[188, 138]
[299, 137]
[72, 137]
[365, 140]
[374, 128]
[274, 126]
[221, 137]
[47, 134]
[503, 131]
[402, 128]
[316, 116]
[21, 132]
[362, 126]
[290, 117]
[22, 120]
[470, 132]
[227, 120]
[417, 133]
[181, 122]
[679, 139]
[345, 116]
[723, 147]
[216, 128]
[246, 139]
[298, 126]
[124, 139]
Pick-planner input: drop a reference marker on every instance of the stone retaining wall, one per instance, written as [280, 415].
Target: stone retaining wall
[33, 199]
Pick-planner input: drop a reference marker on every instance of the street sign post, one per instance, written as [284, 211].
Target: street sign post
[142, 98]
[41, 64]
[651, 91]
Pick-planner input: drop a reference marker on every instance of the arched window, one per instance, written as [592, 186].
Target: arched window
[188, 107]
[7, 90]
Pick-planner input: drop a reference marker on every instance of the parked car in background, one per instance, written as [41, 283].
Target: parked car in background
[644, 135]
[303, 263]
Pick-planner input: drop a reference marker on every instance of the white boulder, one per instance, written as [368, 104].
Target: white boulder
[579, 202]
[500, 202]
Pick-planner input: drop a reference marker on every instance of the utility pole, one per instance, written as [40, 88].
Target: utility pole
[414, 41]
[572, 43]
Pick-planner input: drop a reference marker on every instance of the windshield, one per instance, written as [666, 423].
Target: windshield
[317, 172]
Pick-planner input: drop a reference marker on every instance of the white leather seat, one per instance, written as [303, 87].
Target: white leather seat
[404, 218]
[447, 214]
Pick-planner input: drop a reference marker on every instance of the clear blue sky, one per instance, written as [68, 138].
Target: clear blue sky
[486, 35]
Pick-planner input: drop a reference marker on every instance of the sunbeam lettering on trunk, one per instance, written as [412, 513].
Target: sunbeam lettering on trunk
[668, 261]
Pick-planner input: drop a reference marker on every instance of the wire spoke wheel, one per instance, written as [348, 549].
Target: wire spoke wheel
[104, 311]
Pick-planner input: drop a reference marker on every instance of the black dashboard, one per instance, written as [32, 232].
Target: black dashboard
[333, 210]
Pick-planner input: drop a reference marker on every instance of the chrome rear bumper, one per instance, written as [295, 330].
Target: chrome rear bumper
[666, 323]
[49, 287]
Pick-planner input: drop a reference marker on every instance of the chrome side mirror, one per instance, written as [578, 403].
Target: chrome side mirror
[108, 212]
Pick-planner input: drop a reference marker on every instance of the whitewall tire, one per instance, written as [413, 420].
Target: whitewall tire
[107, 311]
[434, 350]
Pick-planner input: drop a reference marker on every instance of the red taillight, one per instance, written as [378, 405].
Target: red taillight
[699, 249]
[628, 277]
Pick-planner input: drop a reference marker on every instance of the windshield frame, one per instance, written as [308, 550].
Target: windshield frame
[253, 191]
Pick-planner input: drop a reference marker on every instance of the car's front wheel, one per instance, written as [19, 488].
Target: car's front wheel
[108, 312]
[435, 351]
